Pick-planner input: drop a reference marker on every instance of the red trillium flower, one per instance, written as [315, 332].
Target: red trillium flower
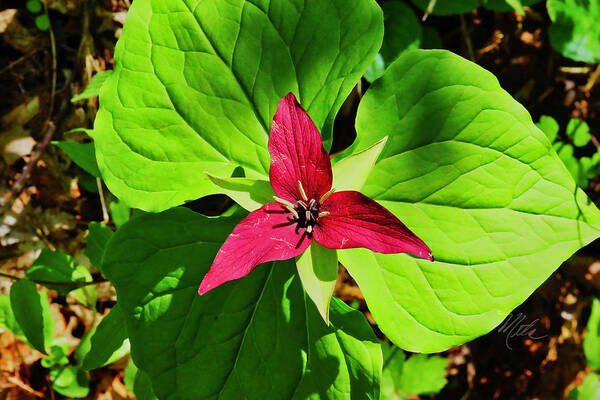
[306, 208]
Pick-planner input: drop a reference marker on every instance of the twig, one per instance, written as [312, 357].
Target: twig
[17, 382]
[592, 80]
[54, 64]
[50, 388]
[574, 70]
[17, 186]
[40, 233]
[465, 32]
[46, 283]
[18, 61]
[429, 9]
[546, 93]
[595, 141]
[102, 201]
[531, 13]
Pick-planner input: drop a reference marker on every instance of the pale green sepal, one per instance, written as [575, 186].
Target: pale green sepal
[352, 172]
[317, 268]
[248, 193]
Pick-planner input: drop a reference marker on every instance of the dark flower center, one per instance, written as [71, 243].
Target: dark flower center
[305, 212]
[308, 214]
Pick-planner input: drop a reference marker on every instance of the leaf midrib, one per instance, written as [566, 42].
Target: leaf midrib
[218, 54]
[237, 355]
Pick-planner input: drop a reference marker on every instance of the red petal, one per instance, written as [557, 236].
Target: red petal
[265, 235]
[297, 153]
[357, 221]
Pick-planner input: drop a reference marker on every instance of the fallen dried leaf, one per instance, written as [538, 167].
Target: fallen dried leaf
[6, 18]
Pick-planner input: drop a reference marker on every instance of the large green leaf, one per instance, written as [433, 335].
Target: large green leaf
[119, 211]
[448, 7]
[423, 374]
[56, 266]
[579, 132]
[7, 318]
[96, 240]
[403, 379]
[106, 343]
[403, 32]
[575, 29]
[466, 169]
[257, 337]
[86, 295]
[137, 382]
[82, 154]
[393, 364]
[589, 390]
[71, 382]
[591, 342]
[32, 311]
[549, 126]
[196, 85]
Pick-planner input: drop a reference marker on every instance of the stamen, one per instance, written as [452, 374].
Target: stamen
[282, 201]
[324, 214]
[302, 192]
[326, 196]
[307, 215]
[309, 229]
[303, 204]
[290, 209]
[311, 203]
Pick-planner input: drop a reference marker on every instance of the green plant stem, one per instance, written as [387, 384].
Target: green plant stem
[465, 32]
[389, 359]
[102, 201]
